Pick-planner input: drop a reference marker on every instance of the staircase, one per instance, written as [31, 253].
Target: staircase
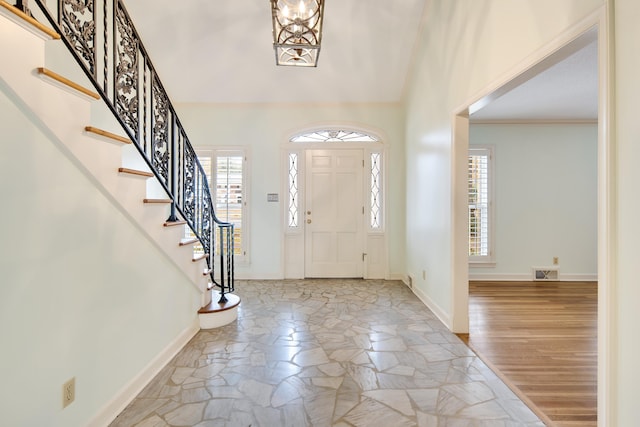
[145, 166]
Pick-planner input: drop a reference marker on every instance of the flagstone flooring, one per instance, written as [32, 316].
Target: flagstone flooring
[327, 352]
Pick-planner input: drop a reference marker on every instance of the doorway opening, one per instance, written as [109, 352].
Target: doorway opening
[590, 34]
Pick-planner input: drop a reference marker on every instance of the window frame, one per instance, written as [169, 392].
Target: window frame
[369, 152]
[487, 260]
[299, 171]
[229, 151]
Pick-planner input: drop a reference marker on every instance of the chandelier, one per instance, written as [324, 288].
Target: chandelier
[297, 31]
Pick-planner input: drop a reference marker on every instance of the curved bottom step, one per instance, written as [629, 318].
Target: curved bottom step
[215, 315]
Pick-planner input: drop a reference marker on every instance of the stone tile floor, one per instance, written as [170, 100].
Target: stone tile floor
[327, 352]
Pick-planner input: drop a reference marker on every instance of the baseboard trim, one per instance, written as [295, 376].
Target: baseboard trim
[499, 277]
[278, 276]
[578, 277]
[239, 275]
[431, 305]
[397, 276]
[120, 401]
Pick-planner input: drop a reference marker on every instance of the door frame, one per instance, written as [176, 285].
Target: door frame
[375, 241]
[600, 20]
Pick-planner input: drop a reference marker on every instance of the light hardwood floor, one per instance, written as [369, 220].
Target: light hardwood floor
[541, 337]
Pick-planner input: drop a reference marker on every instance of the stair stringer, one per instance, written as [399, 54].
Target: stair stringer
[63, 115]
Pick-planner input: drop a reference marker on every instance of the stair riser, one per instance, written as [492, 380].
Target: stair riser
[216, 320]
[206, 298]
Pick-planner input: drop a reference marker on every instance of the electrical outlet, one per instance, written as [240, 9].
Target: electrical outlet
[555, 260]
[68, 392]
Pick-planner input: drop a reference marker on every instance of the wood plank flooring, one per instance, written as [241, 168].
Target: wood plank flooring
[541, 337]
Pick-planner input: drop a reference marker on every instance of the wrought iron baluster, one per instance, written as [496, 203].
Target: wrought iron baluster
[179, 196]
[23, 5]
[223, 298]
[231, 260]
[145, 109]
[105, 35]
[173, 172]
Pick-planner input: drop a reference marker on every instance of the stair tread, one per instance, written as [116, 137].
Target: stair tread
[214, 307]
[187, 242]
[174, 223]
[200, 257]
[43, 29]
[107, 134]
[157, 201]
[135, 172]
[65, 81]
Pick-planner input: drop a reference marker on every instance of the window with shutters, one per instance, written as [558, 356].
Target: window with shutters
[226, 173]
[480, 171]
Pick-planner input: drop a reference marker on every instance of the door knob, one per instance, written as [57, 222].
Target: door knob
[308, 221]
[308, 212]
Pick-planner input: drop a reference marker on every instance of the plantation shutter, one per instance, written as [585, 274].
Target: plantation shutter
[478, 181]
[229, 192]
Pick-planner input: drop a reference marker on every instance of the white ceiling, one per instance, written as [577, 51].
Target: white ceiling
[221, 52]
[567, 90]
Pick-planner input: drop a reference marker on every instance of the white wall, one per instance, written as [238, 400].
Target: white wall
[466, 47]
[263, 129]
[623, 345]
[84, 294]
[545, 199]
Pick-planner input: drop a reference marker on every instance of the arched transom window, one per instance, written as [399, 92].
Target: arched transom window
[334, 135]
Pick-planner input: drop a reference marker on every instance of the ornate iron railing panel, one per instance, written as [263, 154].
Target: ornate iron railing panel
[78, 26]
[105, 43]
[126, 70]
[160, 129]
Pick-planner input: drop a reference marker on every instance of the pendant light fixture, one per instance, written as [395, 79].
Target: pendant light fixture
[297, 31]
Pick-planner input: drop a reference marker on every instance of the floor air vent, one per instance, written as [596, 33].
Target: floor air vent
[545, 273]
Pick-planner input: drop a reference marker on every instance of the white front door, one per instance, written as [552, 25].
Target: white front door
[334, 213]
